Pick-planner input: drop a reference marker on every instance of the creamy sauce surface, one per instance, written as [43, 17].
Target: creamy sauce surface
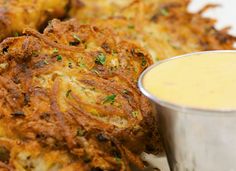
[202, 80]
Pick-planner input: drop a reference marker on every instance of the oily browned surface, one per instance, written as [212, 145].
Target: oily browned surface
[16, 15]
[69, 97]
[59, 96]
[164, 27]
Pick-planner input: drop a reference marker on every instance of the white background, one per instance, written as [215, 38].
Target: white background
[225, 14]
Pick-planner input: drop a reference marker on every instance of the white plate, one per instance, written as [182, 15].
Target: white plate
[226, 16]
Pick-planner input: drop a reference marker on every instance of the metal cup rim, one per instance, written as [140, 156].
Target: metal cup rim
[178, 107]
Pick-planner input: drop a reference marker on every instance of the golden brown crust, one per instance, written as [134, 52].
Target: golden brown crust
[69, 97]
[16, 15]
[75, 88]
[164, 28]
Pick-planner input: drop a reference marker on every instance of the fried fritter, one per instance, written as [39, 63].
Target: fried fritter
[72, 92]
[164, 28]
[84, 10]
[15, 15]
[94, 150]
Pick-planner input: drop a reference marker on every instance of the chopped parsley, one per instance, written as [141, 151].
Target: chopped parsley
[80, 132]
[144, 62]
[131, 26]
[77, 40]
[110, 99]
[125, 91]
[118, 160]
[114, 52]
[68, 93]
[55, 50]
[82, 65]
[175, 46]
[35, 53]
[59, 58]
[164, 12]
[117, 155]
[95, 71]
[16, 34]
[76, 37]
[45, 62]
[101, 59]
[135, 114]
[73, 43]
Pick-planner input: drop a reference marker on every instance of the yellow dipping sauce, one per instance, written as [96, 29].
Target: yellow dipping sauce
[202, 80]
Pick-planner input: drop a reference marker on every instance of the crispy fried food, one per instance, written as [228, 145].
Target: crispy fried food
[69, 97]
[71, 92]
[164, 28]
[106, 9]
[15, 15]
[94, 150]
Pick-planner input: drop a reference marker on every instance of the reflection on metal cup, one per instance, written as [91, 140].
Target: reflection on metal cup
[196, 139]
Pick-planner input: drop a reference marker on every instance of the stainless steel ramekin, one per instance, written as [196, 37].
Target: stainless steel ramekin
[195, 139]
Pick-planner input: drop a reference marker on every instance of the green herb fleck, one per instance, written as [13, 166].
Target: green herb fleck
[68, 93]
[101, 59]
[59, 58]
[110, 99]
[144, 62]
[131, 26]
[55, 50]
[73, 43]
[80, 132]
[114, 52]
[125, 92]
[82, 65]
[35, 53]
[45, 62]
[76, 42]
[95, 71]
[118, 160]
[93, 89]
[16, 34]
[76, 37]
[164, 12]
[135, 114]
[175, 46]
